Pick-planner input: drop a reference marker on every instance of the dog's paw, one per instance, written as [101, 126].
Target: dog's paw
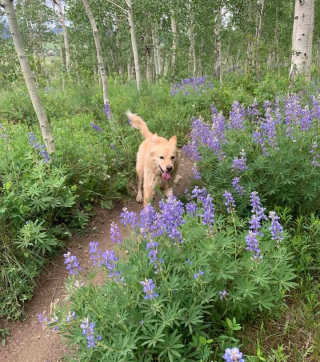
[139, 198]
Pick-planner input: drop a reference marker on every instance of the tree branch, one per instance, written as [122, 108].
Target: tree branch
[115, 4]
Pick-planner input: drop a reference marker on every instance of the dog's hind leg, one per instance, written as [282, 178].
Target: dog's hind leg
[139, 197]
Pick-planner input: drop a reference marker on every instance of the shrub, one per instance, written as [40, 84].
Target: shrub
[178, 292]
[279, 149]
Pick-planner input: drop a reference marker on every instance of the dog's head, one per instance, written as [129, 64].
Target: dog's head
[165, 155]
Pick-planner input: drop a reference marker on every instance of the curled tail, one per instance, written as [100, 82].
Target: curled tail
[138, 123]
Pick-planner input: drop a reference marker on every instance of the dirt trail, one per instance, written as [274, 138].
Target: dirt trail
[28, 341]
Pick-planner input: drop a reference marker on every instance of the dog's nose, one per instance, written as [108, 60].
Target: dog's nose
[169, 168]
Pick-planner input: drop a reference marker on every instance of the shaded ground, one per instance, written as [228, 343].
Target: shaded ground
[28, 341]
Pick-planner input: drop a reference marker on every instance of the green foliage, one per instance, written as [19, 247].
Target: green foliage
[187, 320]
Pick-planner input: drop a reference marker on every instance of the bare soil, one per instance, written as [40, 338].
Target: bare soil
[28, 341]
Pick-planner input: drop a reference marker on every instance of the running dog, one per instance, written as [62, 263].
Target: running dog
[157, 162]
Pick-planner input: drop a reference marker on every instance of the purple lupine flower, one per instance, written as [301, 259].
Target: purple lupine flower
[109, 260]
[316, 157]
[256, 206]
[189, 262]
[95, 253]
[170, 218]
[190, 150]
[196, 84]
[191, 208]
[223, 294]
[199, 194]
[292, 113]
[239, 164]
[96, 127]
[306, 119]
[208, 211]
[149, 289]
[129, 218]
[148, 220]
[253, 109]
[229, 202]
[107, 109]
[152, 248]
[277, 112]
[196, 172]
[115, 233]
[275, 228]
[236, 184]
[41, 148]
[233, 355]
[237, 116]
[73, 264]
[88, 331]
[43, 320]
[253, 245]
[218, 124]
[315, 107]
[70, 316]
[196, 276]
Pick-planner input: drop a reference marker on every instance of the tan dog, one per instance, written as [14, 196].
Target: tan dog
[157, 162]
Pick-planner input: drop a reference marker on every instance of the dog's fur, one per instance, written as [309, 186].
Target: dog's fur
[157, 162]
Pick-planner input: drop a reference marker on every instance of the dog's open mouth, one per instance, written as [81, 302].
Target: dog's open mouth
[166, 175]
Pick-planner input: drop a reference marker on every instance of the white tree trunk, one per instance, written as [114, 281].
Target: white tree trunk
[147, 64]
[174, 39]
[217, 46]
[65, 37]
[192, 49]
[59, 43]
[134, 44]
[28, 75]
[129, 67]
[302, 41]
[102, 70]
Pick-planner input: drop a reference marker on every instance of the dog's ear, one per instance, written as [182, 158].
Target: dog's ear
[173, 140]
[154, 139]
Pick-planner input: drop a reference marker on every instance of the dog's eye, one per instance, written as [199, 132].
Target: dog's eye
[172, 157]
[162, 158]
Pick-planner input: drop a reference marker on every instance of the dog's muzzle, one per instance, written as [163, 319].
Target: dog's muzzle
[166, 175]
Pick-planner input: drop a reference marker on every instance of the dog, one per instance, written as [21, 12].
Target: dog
[157, 162]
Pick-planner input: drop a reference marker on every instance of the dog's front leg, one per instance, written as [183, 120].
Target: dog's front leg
[168, 192]
[148, 189]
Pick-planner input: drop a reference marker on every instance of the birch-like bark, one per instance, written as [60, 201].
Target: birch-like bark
[303, 36]
[174, 39]
[147, 52]
[28, 75]
[134, 44]
[59, 42]
[129, 67]
[102, 70]
[217, 46]
[258, 36]
[65, 37]
[192, 50]
[163, 62]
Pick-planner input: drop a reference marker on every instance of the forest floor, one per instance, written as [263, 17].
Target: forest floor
[28, 341]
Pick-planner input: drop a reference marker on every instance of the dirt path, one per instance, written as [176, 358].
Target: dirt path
[28, 341]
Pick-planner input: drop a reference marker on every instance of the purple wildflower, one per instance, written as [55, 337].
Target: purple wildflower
[208, 211]
[277, 113]
[306, 119]
[41, 148]
[96, 127]
[237, 116]
[223, 294]
[239, 164]
[218, 124]
[253, 245]
[253, 109]
[149, 289]
[88, 331]
[170, 218]
[70, 316]
[315, 107]
[129, 218]
[196, 276]
[236, 184]
[191, 208]
[196, 172]
[233, 355]
[229, 202]
[256, 206]
[73, 264]
[115, 233]
[109, 260]
[152, 247]
[107, 109]
[95, 253]
[275, 228]
[148, 220]
[316, 156]
[196, 84]
[292, 113]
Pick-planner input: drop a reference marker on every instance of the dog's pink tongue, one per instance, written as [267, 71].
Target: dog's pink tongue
[166, 175]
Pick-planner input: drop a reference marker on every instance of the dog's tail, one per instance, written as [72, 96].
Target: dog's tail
[138, 123]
